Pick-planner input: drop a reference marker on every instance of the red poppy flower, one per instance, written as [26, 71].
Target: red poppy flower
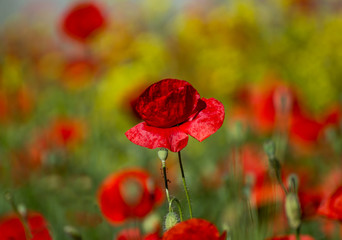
[172, 109]
[279, 103]
[66, 132]
[82, 20]
[128, 194]
[194, 229]
[332, 207]
[292, 237]
[134, 233]
[12, 228]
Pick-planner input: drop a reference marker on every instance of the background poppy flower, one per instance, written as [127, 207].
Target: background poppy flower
[292, 237]
[172, 109]
[12, 228]
[128, 194]
[134, 234]
[332, 207]
[194, 229]
[82, 20]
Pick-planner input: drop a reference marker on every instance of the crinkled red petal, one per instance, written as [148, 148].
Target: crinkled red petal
[167, 103]
[207, 122]
[143, 135]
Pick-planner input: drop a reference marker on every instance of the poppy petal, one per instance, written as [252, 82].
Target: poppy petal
[207, 122]
[152, 137]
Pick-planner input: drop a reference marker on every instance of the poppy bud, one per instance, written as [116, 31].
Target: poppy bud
[22, 210]
[292, 182]
[293, 210]
[72, 232]
[171, 220]
[162, 154]
[270, 149]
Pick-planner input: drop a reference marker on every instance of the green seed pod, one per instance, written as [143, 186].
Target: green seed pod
[293, 210]
[171, 220]
[72, 232]
[162, 154]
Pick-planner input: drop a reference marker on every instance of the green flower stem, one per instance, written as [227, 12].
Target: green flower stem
[9, 198]
[280, 181]
[298, 233]
[166, 182]
[179, 207]
[184, 184]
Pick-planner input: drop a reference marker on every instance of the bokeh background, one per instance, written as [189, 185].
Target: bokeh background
[66, 96]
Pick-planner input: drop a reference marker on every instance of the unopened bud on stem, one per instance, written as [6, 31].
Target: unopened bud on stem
[293, 210]
[162, 154]
[171, 220]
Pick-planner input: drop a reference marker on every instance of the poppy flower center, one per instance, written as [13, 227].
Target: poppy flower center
[131, 191]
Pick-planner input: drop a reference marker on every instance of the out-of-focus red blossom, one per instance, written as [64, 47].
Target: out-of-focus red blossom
[12, 228]
[332, 207]
[128, 194]
[16, 104]
[82, 20]
[24, 100]
[172, 109]
[254, 166]
[277, 106]
[266, 191]
[194, 229]
[4, 108]
[134, 233]
[78, 73]
[66, 132]
[304, 5]
[292, 237]
[63, 133]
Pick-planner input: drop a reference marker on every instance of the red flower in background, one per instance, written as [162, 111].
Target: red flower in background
[12, 228]
[128, 194]
[277, 106]
[134, 234]
[83, 20]
[292, 237]
[194, 229]
[79, 72]
[66, 132]
[172, 109]
[332, 207]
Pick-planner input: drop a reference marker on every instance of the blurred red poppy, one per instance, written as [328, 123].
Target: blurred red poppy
[194, 229]
[277, 106]
[332, 207]
[134, 233]
[12, 228]
[79, 72]
[172, 109]
[292, 237]
[66, 132]
[83, 20]
[128, 194]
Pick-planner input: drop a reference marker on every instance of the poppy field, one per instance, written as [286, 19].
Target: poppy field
[171, 120]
